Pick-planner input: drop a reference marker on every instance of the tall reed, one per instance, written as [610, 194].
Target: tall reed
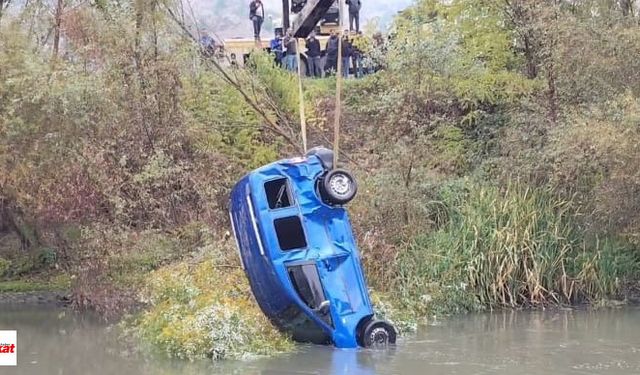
[513, 246]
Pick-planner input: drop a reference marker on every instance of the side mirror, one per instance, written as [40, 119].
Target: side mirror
[323, 308]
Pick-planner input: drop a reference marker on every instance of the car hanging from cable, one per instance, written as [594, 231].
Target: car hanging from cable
[299, 253]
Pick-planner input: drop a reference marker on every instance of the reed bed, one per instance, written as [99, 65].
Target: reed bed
[509, 247]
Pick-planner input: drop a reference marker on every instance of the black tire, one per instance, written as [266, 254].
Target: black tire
[338, 187]
[377, 334]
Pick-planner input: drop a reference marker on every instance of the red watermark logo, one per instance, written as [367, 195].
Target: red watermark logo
[8, 348]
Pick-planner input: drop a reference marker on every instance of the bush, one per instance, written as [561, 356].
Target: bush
[205, 310]
[402, 319]
[5, 265]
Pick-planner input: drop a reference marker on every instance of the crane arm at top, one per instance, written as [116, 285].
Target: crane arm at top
[309, 16]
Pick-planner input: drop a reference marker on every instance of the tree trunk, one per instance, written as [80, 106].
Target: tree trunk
[531, 56]
[552, 94]
[140, 71]
[4, 227]
[2, 5]
[552, 89]
[521, 16]
[627, 7]
[12, 223]
[156, 55]
[58, 25]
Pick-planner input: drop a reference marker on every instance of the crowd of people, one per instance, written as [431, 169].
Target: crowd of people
[318, 59]
[321, 62]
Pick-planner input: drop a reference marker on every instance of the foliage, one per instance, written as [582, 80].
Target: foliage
[219, 121]
[453, 61]
[114, 264]
[190, 319]
[402, 319]
[4, 266]
[594, 157]
[497, 92]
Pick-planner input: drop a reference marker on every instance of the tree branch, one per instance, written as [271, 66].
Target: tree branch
[272, 125]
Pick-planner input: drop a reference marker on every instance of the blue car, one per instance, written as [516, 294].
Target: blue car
[299, 253]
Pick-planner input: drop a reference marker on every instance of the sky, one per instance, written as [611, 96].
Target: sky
[230, 18]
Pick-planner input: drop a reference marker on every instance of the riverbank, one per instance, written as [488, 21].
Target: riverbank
[633, 293]
[60, 299]
[35, 292]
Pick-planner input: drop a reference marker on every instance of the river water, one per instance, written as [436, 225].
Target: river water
[54, 341]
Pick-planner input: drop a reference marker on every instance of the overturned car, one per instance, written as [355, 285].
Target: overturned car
[299, 253]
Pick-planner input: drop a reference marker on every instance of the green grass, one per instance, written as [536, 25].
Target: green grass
[56, 284]
[508, 247]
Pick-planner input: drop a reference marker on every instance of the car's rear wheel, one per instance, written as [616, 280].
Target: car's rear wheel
[338, 187]
[377, 334]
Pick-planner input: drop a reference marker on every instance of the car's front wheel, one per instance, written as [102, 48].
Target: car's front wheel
[338, 187]
[377, 334]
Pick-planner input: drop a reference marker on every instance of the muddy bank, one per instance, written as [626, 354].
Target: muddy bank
[632, 293]
[60, 298]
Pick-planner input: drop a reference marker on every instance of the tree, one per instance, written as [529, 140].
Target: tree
[57, 28]
[4, 4]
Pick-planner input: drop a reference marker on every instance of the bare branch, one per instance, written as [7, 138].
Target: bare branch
[234, 83]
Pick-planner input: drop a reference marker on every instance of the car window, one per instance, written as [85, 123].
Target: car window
[290, 233]
[306, 282]
[278, 193]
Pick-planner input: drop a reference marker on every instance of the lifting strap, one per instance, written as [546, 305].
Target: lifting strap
[338, 109]
[303, 117]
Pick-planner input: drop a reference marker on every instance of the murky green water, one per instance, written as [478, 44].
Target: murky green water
[554, 342]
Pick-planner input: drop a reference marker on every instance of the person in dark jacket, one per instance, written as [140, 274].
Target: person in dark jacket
[256, 14]
[233, 60]
[332, 53]
[347, 52]
[313, 56]
[361, 48]
[207, 44]
[354, 14]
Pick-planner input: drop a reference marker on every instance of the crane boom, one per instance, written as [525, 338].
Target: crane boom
[309, 16]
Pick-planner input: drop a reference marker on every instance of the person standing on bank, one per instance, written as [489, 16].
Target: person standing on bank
[256, 14]
[313, 56]
[331, 50]
[207, 44]
[291, 56]
[277, 47]
[347, 52]
[354, 14]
